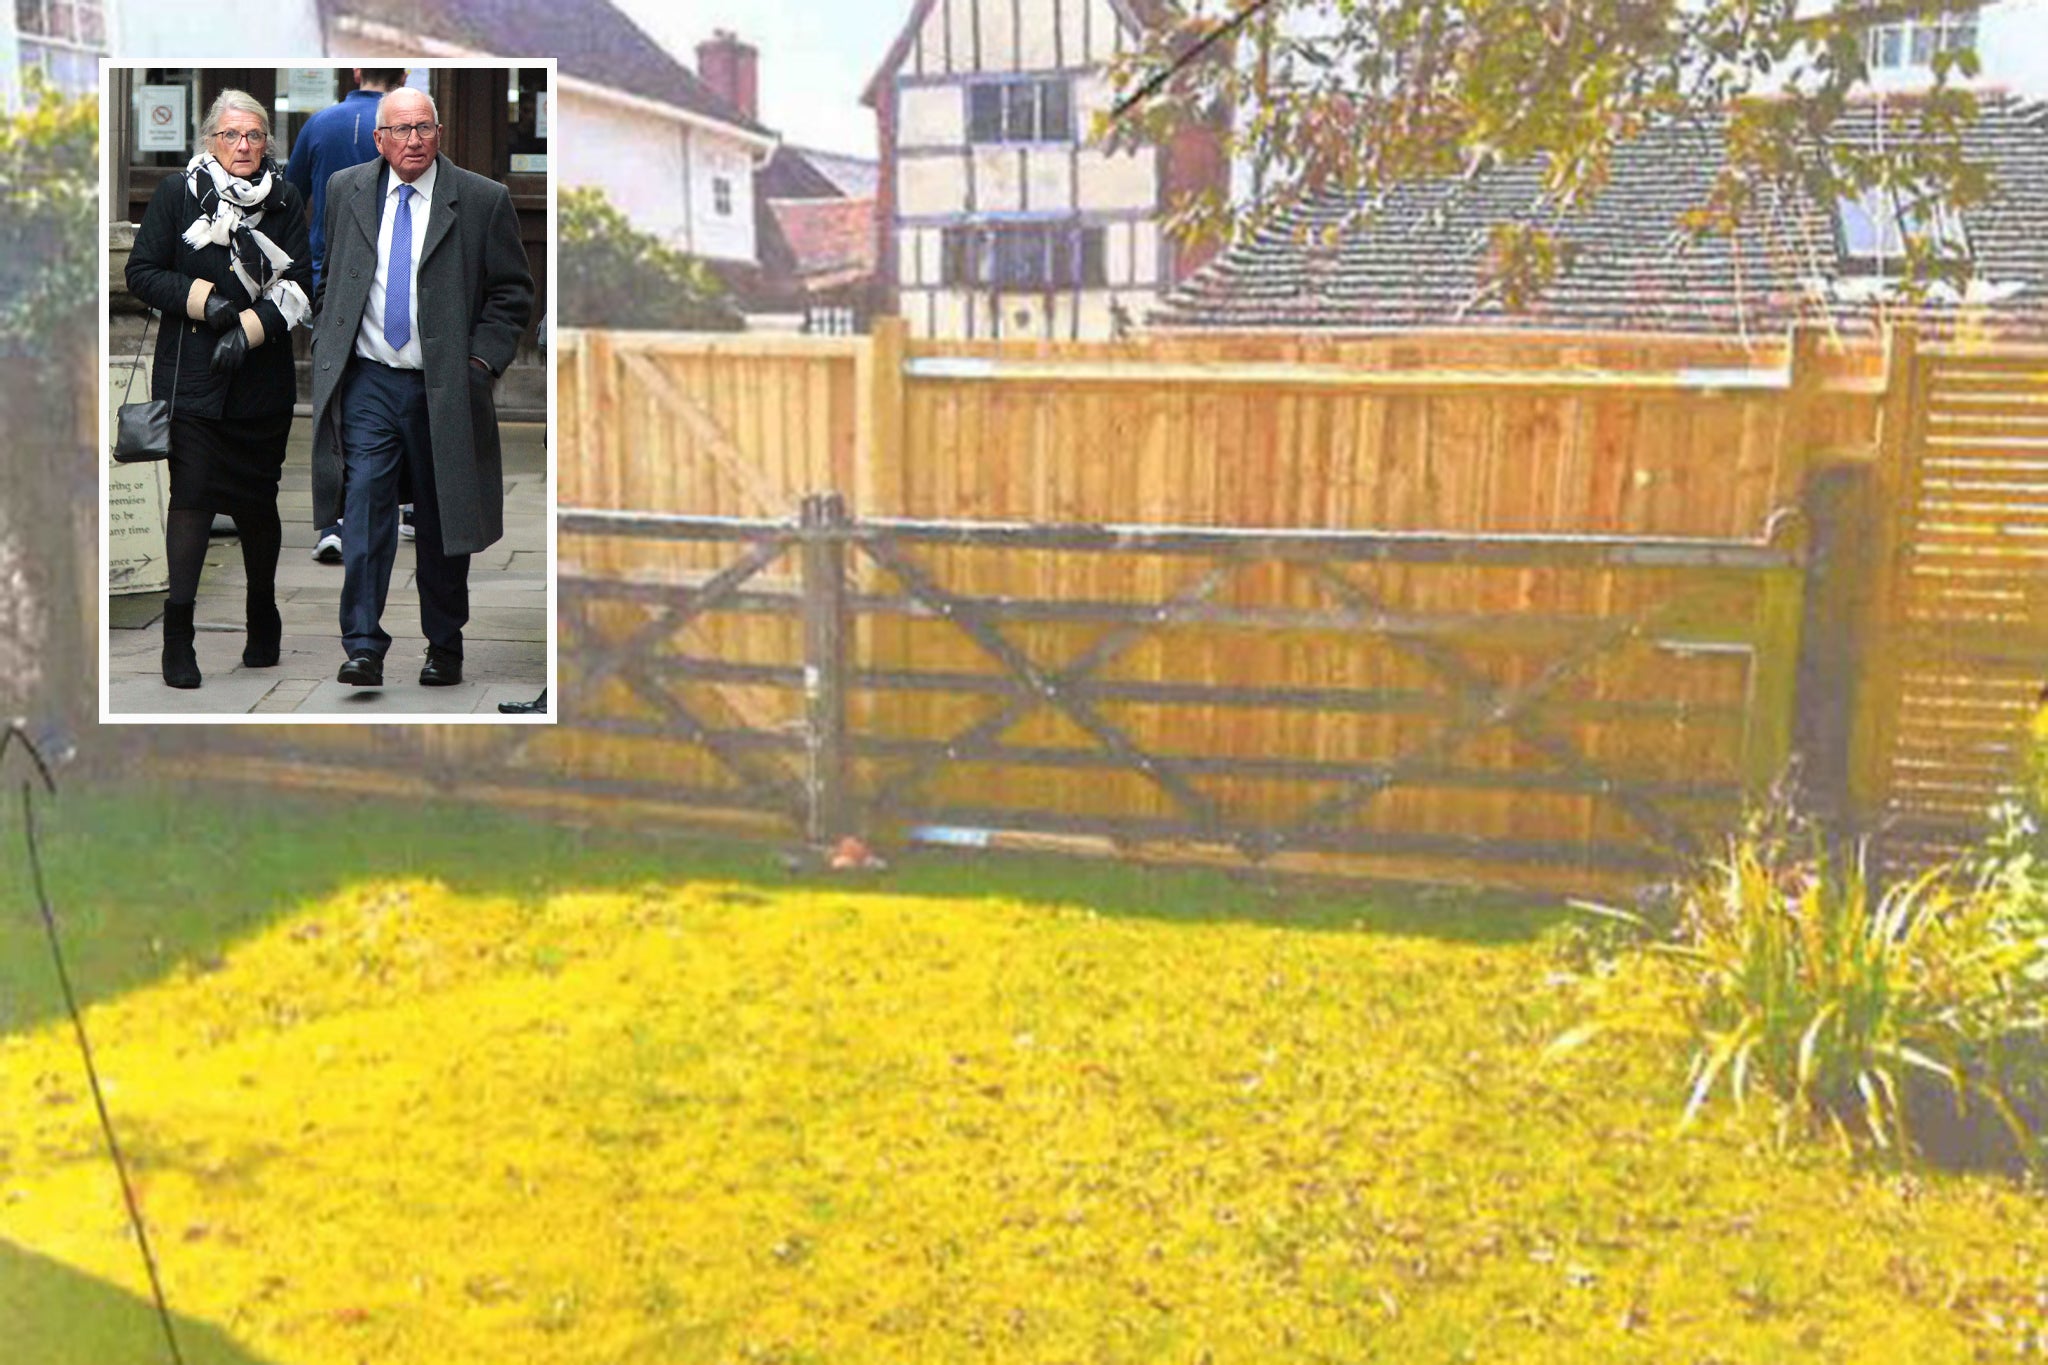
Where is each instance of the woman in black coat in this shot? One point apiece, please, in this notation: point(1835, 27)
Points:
point(222, 250)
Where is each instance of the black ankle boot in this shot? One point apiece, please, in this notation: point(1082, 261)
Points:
point(180, 664)
point(266, 631)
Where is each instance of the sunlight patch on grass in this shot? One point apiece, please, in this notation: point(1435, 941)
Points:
point(712, 1122)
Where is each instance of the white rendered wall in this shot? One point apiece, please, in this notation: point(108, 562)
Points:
point(727, 237)
point(641, 172)
point(207, 28)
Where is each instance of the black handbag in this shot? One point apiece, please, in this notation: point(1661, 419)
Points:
point(142, 431)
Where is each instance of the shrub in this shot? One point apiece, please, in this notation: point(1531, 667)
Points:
point(1913, 1014)
point(613, 275)
point(49, 215)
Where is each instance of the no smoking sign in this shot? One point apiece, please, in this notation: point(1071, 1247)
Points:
point(160, 118)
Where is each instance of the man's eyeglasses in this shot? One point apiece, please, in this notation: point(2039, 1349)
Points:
point(406, 132)
point(227, 139)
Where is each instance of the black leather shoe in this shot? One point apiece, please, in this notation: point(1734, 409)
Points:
point(444, 668)
point(362, 670)
point(537, 707)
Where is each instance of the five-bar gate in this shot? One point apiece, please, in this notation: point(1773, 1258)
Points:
point(1470, 705)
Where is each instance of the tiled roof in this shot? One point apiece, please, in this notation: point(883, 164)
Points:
point(828, 237)
point(590, 39)
point(1417, 262)
point(805, 173)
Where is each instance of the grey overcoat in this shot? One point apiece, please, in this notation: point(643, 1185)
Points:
point(476, 294)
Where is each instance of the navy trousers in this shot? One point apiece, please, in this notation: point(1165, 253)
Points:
point(384, 436)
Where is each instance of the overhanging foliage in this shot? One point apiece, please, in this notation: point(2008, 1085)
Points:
point(1357, 96)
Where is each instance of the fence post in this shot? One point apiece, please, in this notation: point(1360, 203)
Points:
point(1887, 519)
point(878, 444)
point(825, 657)
point(1838, 565)
point(1815, 744)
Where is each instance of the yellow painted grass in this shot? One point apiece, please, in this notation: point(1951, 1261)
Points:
point(713, 1123)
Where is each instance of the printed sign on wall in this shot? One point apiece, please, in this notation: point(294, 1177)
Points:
point(309, 87)
point(160, 119)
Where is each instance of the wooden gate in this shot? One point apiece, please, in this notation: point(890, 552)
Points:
point(1959, 646)
point(1528, 708)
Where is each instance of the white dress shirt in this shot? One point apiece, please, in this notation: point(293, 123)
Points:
point(370, 340)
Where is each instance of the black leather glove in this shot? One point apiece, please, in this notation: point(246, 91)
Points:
point(230, 351)
point(220, 314)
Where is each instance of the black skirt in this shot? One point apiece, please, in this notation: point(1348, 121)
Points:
point(227, 465)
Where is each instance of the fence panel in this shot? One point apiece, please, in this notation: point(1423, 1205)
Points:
point(1272, 681)
point(1963, 645)
point(1479, 434)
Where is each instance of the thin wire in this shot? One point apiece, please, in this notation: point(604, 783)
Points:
point(35, 862)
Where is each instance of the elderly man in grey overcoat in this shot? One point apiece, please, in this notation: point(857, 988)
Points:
point(423, 299)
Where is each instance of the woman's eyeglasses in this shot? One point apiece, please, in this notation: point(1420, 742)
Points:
point(227, 139)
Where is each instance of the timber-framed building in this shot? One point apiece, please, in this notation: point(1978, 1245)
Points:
point(999, 214)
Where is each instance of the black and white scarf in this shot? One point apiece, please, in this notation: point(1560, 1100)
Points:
point(230, 208)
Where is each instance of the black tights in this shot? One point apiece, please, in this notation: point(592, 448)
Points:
point(185, 535)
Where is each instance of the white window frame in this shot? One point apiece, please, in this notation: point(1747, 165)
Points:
point(1912, 44)
point(1876, 225)
point(1048, 102)
point(39, 41)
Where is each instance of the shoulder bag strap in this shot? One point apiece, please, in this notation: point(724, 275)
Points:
point(172, 410)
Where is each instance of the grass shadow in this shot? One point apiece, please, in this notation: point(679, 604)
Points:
point(146, 876)
point(51, 1314)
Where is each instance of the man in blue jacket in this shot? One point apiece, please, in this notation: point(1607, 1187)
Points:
point(335, 138)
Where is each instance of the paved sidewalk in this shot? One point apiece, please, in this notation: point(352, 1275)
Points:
point(504, 645)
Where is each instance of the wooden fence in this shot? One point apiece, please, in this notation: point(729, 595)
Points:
point(1544, 606)
point(1955, 649)
point(1520, 715)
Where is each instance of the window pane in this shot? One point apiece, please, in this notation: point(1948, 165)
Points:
point(1923, 44)
point(1021, 103)
point(1094, 259)
point(985, 113)
point(1860, 235)
point(1055, 112)
point(78, 72)
point(28, 16)
point(92, 24)
point(1010, 265)
point(1890, 41)
point(1962, 33)
point(1021, 258)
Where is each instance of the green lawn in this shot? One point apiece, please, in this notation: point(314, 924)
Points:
point(428, 1085)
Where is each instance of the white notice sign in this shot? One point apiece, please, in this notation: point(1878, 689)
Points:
point(540, 113)
point(160, 119)
point(309, 87)
point(136, 497)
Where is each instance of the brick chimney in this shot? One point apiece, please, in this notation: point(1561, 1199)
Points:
point(730, 68)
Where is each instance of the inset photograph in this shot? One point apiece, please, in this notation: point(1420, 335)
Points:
point(327, 485)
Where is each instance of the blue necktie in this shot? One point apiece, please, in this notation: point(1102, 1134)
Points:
point(398, 281)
